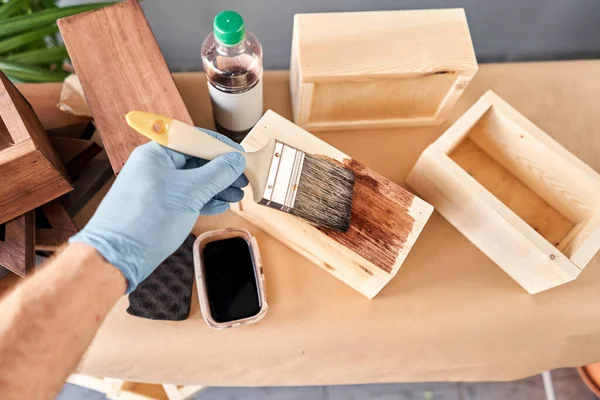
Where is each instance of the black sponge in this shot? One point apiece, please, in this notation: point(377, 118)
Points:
point(166, 294)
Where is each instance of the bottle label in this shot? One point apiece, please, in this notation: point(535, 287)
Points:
point(237, 111)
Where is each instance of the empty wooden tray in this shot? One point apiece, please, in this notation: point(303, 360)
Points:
point(515, 193)
point(378, 68)
point(385, 221)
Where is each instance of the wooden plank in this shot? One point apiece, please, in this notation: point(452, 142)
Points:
point(17, 244)
point(75, 153)
point(121, 69)
point(413, 67)
point(516, 194)
point(31, 171)
point(54, 226)
point(385, 222)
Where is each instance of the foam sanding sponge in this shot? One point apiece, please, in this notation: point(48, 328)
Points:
point(166, 294)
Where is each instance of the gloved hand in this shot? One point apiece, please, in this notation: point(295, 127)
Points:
point(155, 201)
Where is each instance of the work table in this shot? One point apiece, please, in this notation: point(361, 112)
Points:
point(449, 314)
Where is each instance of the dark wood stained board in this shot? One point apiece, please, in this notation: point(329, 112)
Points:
point(121, 68)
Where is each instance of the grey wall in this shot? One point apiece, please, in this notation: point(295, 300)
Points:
point(502, 30)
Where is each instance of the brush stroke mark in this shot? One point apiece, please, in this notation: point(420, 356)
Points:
point(380, 223)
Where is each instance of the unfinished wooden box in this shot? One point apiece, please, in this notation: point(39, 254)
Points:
point(378, 69)
point(515, 193)
point(385, 220)
point(31, 172)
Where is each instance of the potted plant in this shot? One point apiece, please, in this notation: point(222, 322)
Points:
point(30, 49)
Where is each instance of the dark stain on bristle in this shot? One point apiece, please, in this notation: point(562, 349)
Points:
point(379, 221)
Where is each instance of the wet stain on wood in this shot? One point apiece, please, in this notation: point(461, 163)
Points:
point(380, 223)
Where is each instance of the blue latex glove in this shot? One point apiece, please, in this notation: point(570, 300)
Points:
point(154, 203)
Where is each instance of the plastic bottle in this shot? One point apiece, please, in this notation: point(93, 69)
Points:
point(232, 60)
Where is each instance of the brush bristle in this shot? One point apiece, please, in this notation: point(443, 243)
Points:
point(324, 196)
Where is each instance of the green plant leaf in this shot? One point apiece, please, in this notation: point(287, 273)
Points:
point(43, 18)
point(26, 38)
point(30, 73)
point(14, 79)
point(40, 56)
point(12, 8)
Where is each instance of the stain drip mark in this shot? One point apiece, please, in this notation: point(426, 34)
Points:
point(380, 223)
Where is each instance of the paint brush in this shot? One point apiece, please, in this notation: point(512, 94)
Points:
point(282, 177)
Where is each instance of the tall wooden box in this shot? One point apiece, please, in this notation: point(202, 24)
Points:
point(378, 69)
point(30, 171)
point(386, 220)
point(520, 197)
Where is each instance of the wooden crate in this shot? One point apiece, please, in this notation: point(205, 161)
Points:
point(378, 69)
point(520, 197)
point(31, 172)
point(385, 221)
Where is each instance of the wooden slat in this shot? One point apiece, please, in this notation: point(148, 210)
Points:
point(75, 153)
point(17, 244)
point(121, 69)
point(60, 230)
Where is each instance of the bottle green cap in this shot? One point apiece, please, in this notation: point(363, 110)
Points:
point(229, 28)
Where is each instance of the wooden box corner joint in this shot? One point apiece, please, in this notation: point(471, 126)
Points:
point(519, 196)
point(31, 171)
point(379, 69)
point(385, 221)
point(111, 89)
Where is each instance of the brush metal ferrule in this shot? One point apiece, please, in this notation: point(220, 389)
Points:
point(284, 175)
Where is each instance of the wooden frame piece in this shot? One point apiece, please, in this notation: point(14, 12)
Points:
point(405, 68)
point(54, 226)
point(515, 193)
point(91, 179)
point(75, 153)
point(17, 244)
point(31, 171)
point(386, 219)
point(121, 69)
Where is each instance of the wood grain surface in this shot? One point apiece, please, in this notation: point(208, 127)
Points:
point(385, 219)
point(378, 69)
point(515, 193)
point(121, 69)
point(17, 244)
point(32, 173)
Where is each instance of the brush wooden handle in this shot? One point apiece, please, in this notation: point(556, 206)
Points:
point(186, 139)
point(189, 140)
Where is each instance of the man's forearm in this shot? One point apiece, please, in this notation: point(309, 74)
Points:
point(47, 323)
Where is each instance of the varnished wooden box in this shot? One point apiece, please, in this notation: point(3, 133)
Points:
point(515, 193)
point(378, 69)
point(31, 173)
point(385, 220)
